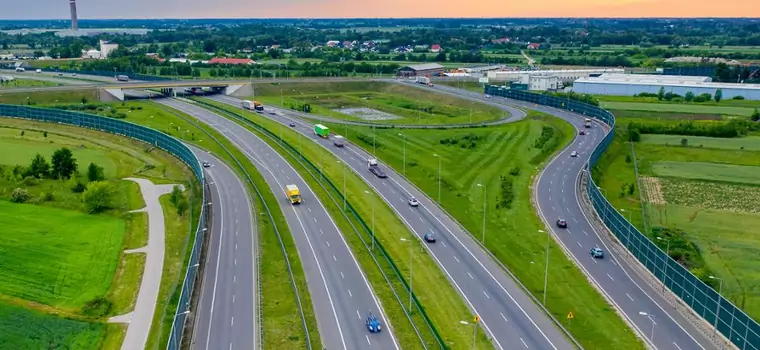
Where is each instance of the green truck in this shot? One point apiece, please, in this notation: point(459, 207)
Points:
point(321, 131)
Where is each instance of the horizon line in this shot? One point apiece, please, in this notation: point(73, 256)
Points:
point(362, 18)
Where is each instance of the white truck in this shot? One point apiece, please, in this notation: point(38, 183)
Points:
point(338, 141)
point(253, 105)
point(122, 77)
point(20, 69)
point(587, 123)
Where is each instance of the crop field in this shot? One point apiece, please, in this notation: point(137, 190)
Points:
point(63, 261)
point(652, 115)
point(26, 329)
point(708, 171)
point(678, 108)
point(635, 99)
point(504, 159)
point(708, 195)
point(749, 143)
point(409, 104)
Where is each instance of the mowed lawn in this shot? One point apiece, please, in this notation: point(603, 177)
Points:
point(23, 150)
point(678, 108)
point(749, 143)
point(57, 257)
point(709, 171)
point(27, 329)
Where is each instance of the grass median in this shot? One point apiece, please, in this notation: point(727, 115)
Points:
point(437, 296)
point(501, 162)
point(282, 326)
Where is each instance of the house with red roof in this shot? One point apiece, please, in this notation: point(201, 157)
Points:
point(435, 48)
point(233, 61)
point(534, 46)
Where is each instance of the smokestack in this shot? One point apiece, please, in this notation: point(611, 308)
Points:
point(73, 9)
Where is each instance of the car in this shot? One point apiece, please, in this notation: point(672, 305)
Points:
point(378, 172)
point(273, 112)
point(561, 223)
point(488, 96)
point(430, 237)
point(206, 164)
point(582, 132)
point(573, 154)
point(373, 324)
point(597, 253)
point(73, 75)
point(413, 202)
point(292, 125)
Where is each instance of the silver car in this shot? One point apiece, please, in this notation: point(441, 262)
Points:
point(573, 154)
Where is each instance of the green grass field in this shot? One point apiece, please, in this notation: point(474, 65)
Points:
point(722, 103)
point(431, 288)
point(63, 261)
point(482, 156)
point(749, 143)
point(678, 108)
point(26, 329)
point(652, 115)
point(708, 171)
point(48, 97)
point(25, 83)
point(401, 101)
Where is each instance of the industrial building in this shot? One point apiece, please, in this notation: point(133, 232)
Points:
point(632, 84)
point(563, 76)
point(420, 70)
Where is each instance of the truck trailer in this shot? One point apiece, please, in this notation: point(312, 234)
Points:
point(587, 123)
point(321, 131)
point(253, 105)
point(338, 141)
point(294, 195)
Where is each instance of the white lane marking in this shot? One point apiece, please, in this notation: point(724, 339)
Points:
point(443, 244)
point(232, 320)
point(234, 279)
point(341, 275)
point(328, 243)
point(216, 273)
point(629, 297)
point(523, 341)
point(608, 275)
point(486, 294)
point(359, 316)
point(504, 317)
point(309, 209)
point(468, 274)
point(235, 246)
point(350, 294)
point(233, 298)
point(579, 244)
point(236, 233)
point(235, 261)
point(315, 219)
point(334, 258)
point(677, 347)
point(455, 258)
point(321, 232)
point(368, 342)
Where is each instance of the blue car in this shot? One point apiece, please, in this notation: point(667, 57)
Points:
point(373, 324)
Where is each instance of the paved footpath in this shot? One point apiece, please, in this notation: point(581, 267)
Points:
point(137, 331)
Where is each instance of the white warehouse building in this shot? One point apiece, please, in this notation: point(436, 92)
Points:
point(632, 84)
point(563, 75)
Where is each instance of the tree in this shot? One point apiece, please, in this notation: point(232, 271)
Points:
point(176, 195)
point(98, 197)
point(718, 95)
point(39, 167)
point(661, 93)
point(755, 115)
point(44, 134)
point(20, 195)
point(440, 57)
point(689, 96)
point(95, 173)
point(64, 164)
point(684, 142)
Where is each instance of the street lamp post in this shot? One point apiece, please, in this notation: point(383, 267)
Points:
point(373, 220)
point(629, 224)
point(344, 185)
point(474, 332)
point(485, 196)
point(546, 268)
point(717, 308)
point(439, 176)
point(411, 274)
point(651, 318)
point(667, 256)
point(404, 161)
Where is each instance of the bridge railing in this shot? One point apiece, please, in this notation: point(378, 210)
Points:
point(732, 322)
point(157, 139)
point(112, 74)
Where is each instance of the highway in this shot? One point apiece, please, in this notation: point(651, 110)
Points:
point(227, 314)
point(509, 316)
point(558, 197)
point(341, 295)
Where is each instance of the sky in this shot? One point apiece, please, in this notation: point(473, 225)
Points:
point(51, 9)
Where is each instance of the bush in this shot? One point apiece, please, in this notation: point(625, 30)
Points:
point(78, 187)
point(514, 171)
point(737, 97)
point(98, 197)
point(47, 197)
point(20, 195)
point(98, 307)
point(95, 173)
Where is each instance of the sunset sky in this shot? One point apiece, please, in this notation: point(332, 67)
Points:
point(383, 8)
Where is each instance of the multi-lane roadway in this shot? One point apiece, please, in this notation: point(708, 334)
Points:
point(341, 295)
point(511, 319)
point(227, 315)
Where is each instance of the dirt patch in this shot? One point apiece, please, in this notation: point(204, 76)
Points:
point(652, 190)
point(367, 113)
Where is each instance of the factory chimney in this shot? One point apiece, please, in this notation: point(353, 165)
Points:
point(73, 9)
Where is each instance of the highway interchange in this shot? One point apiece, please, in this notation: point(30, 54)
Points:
point(480, 280)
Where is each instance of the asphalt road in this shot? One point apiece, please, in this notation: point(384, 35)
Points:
point(508, 315)
point(341, 295)
point(227, 312)
point(557, 197)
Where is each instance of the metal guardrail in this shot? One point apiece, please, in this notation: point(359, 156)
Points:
point(279, 239)
point(365, 229)
point(157, 139)
point(732, 322)
point(131, 75)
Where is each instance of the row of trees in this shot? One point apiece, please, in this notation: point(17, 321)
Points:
point(733, 128)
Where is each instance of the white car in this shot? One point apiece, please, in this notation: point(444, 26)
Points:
point(413, 202)
point(573, 154)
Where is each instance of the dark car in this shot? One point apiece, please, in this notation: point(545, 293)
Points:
point(206, 164)
point(430, 237)
point(597, 253)
point(378, 172)
point(373, 324)
point(561, 223)
point(292, 125)
point(582, 132)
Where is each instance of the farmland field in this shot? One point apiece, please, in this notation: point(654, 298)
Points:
point(619, 113)
point(409, 105)
point(27, 329)
point(677, 108)
point(749, 143)
point(48, 97)
point(708, 171)
point(22, 83)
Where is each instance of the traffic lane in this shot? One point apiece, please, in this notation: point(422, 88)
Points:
point(261, 154)
point(229, 316)
point(357, 162)
point(635, 296)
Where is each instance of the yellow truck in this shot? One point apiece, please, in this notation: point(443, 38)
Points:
point(294, 195)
